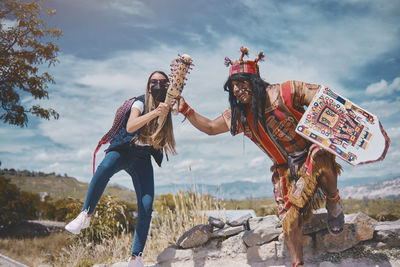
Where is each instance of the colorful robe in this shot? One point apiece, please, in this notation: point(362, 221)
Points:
point(284, 108)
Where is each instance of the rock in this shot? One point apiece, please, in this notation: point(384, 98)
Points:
point(388, 226)
point(172, 254)
point(327, 264)
point(282, 251)
point(228, 215)
point(359, 227)
point(99, 265)
point(215, 222)
point(263, 252)
point(262, 230)
point(365, 226)
point(242, 220)
point(233, 245)
point(260, 235)
point(208, 250)
point(388, 232)
point(381, 245)
point(195, 237)
point(267, 221)
point(317, 223)
point(227, 231)
point(309, 249)
point(337, 243)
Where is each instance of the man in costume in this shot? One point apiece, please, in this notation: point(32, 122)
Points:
point(304, 175)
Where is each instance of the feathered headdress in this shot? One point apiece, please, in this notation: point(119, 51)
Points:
point(246, 66)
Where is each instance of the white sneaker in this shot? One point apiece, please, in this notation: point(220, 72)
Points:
point(82, 221)
point(137, 262)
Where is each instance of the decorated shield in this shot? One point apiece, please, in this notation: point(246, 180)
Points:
point(343, 128)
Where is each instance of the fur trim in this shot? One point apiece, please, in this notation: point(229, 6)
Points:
point(305, 195)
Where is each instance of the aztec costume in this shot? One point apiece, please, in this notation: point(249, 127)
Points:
point(297, 162)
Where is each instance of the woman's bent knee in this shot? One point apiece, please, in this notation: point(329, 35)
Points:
point(147, 205)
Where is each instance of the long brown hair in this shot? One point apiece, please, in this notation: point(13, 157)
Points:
point(165, 139)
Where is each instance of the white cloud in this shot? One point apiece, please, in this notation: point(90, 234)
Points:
point(131, 7)
point(308, 48)
point(7, 23)
point(382, 88)
point(394, 133)
point(382, 108)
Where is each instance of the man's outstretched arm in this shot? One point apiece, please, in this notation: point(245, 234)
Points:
point(210, 127)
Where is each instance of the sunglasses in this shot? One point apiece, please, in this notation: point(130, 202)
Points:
point(161, 81)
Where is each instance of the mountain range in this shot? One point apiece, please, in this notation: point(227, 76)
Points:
point(58, 186)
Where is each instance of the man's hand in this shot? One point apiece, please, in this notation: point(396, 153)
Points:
point(181, 102)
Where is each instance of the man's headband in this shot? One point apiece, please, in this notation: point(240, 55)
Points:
point(244, 66)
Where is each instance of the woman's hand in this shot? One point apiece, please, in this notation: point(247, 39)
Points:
point(161, 110)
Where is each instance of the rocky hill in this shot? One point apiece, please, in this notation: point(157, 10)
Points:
point(353, 188)
point(385, 189)
point(58, 187)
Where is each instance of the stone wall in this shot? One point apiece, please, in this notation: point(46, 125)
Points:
point(259, 240)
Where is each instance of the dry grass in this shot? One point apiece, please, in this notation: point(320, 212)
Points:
point(34, 251)
point(174, 214)
point(82, 253)
point(169, 223)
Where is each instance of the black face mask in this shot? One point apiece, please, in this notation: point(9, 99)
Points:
point(158, 91)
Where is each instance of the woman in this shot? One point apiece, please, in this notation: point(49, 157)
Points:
point(130, 149)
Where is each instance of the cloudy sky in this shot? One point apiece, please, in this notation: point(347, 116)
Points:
point(108, 49)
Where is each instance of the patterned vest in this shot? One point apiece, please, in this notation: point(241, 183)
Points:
point(118, 137)
point(280, 137)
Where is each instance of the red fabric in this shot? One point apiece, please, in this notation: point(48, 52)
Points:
point(264, 141)
point(286, 90)
point(246, 66)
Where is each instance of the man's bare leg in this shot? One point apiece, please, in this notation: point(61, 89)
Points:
point(294, 242)
point(328, 182)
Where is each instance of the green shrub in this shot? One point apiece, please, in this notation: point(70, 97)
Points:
point(110, 218)
point(15, 205)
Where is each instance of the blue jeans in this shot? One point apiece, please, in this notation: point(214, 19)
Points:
point(139, 167)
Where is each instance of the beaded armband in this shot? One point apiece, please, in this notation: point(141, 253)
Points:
point(186, 110)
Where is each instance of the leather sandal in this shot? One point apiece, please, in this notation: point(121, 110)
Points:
point(335, 216)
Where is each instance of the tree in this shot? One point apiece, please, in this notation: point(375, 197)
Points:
point(15, 205)
point(25, 47)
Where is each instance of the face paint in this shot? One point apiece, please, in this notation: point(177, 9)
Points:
point(242, 91)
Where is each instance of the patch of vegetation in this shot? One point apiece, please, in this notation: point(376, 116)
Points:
point(15, 205)
point(379, 209)
point(262, 207)
point(360, 252)
point(110, 219)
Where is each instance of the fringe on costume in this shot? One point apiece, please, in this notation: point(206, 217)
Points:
point(304, 194)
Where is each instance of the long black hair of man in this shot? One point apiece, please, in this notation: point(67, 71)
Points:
point(258, 100)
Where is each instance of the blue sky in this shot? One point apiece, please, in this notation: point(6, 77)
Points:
point(108, 49)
